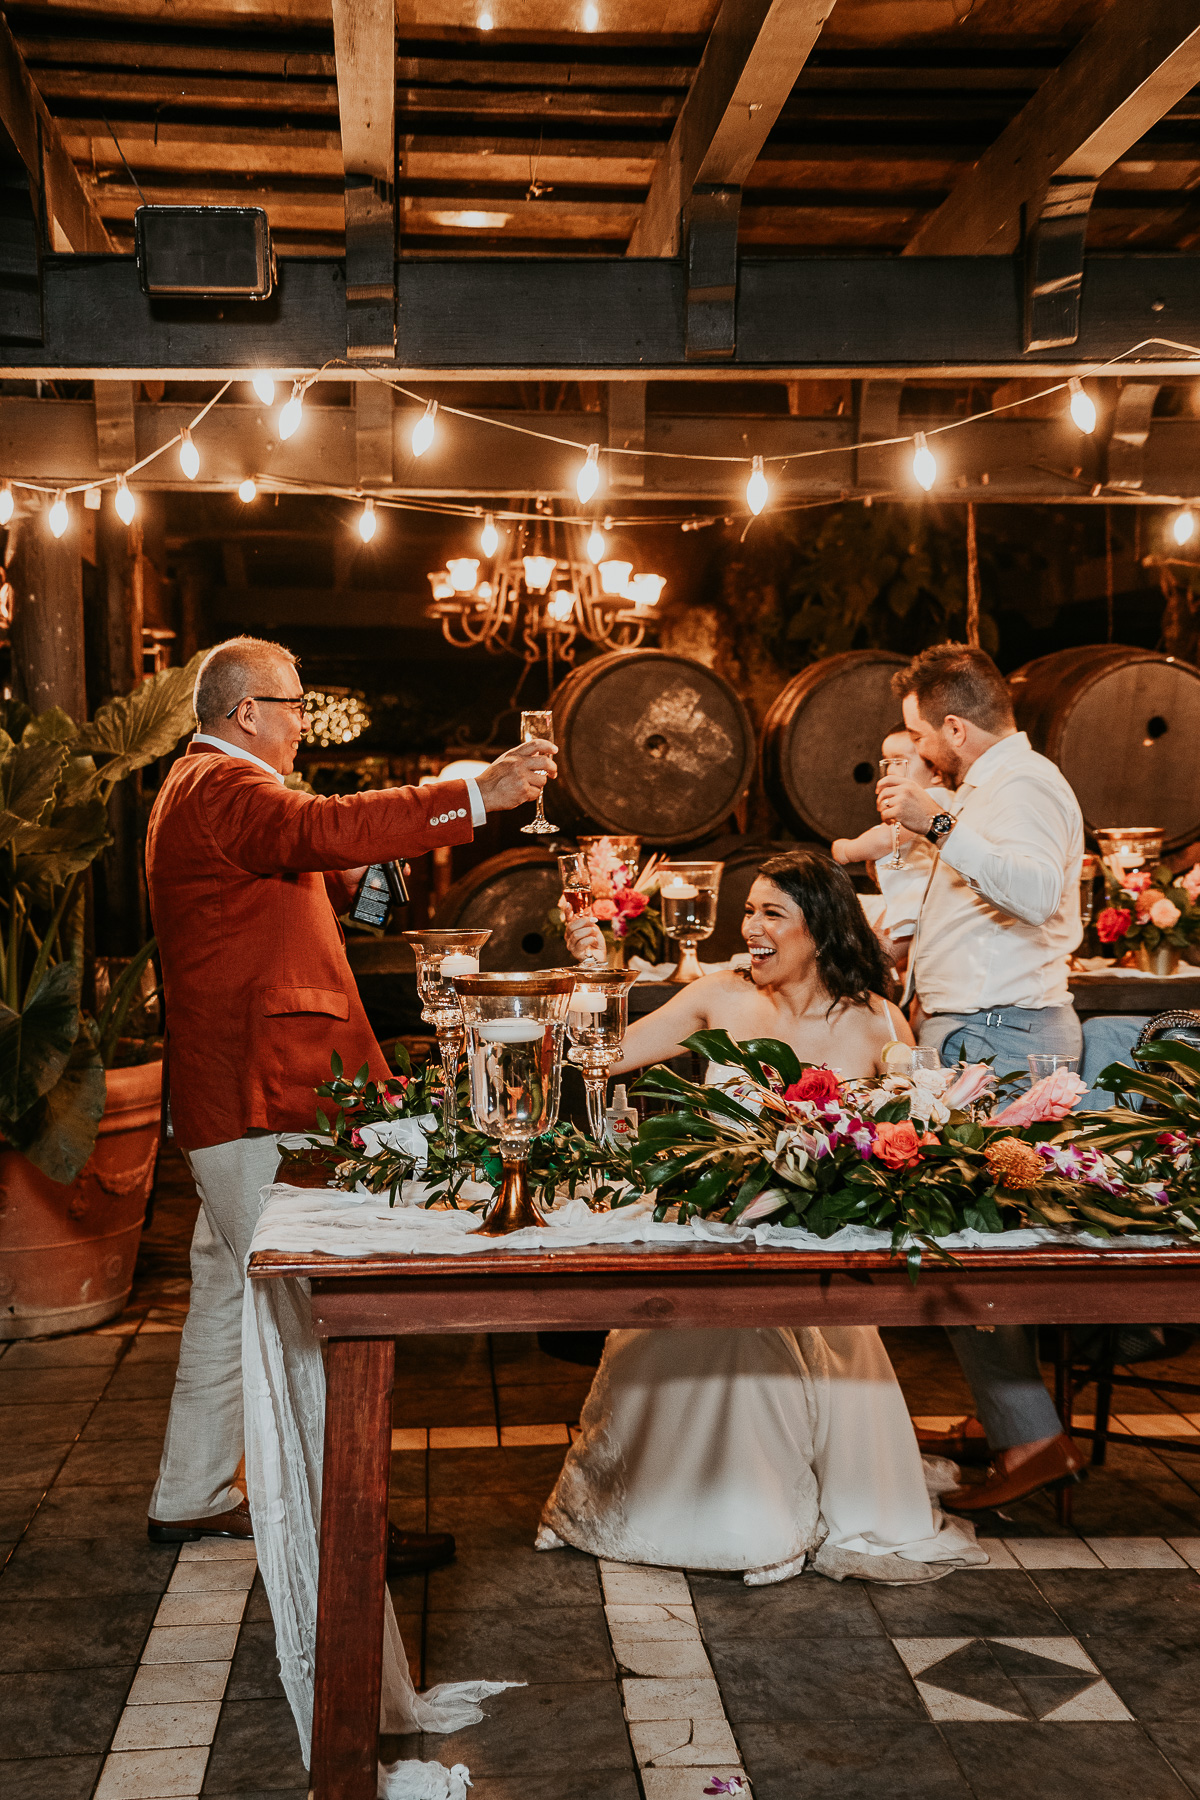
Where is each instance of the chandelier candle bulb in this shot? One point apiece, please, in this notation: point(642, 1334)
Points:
point(264, 387)
point(247, 490)
point(560, 607)
point(59, 517)
point(6, 503)
point(422, 435)
point(290, 411)
point(924, 466)
point(1083, 409)
point(595, 545)
point(539, 572)
point(588, 479)
point(459, 962)
point(511, 1031)
point(367, 522)
point(1183, 527)
point(489, 537)
point(756, 488)
point(614, 576)
point(189, 456)
point(463, 572)
point(124, 502)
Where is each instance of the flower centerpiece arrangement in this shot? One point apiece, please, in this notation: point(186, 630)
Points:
point(922, 1155)
point(624, 904)
point(1149, 912)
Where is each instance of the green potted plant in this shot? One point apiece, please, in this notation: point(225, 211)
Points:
point(79, 1133)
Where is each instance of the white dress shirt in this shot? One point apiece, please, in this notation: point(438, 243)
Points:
point(478, 810)
point(903, 888)
point(1001, 915)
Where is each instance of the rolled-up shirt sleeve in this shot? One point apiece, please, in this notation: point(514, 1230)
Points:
point(1019, 862)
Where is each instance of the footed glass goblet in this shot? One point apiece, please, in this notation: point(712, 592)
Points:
point(440, 956)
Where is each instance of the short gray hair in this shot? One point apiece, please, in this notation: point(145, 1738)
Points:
point(232, 671)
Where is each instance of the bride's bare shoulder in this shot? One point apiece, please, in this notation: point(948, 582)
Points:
point(722, 992)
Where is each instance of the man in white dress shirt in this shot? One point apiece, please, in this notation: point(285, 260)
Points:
point(988, 969)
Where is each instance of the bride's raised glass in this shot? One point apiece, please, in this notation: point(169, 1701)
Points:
point(597, 1020)
point(441, 955)
point(687, 894)
point(514, 1023)
point(538, 725)
point(577, 895)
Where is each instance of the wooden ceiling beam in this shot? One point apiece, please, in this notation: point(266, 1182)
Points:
point(36, 139)
point(751, 62)
point(364, 40)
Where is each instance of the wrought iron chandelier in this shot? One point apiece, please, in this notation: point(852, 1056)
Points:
point(549, 586)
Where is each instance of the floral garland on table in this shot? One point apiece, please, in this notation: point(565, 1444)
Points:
point(625, 907)
point(921, 1155)
point(1150, 909)
point(383, 1134)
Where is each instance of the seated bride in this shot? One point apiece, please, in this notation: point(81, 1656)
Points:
point(761, 1450)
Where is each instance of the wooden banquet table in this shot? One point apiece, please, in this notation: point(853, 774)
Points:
point(360, 1306)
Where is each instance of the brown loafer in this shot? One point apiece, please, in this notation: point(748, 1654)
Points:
point(965, 1442)
point(1057, 1462)
point(234, 1524)
point(416, 1552)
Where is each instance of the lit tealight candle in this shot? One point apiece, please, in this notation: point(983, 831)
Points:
point(511, 1031)
point(587, 1000)
point(458, 962)
point(678, 890)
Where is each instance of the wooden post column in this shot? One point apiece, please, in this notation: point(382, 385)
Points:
point(47, 632)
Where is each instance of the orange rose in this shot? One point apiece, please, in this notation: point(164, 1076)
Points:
point(898, 1146)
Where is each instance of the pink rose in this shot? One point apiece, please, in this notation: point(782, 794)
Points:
point(632, 902)
point(1146, 900)
point(1136, 881)
point(604, 909)
point(1113, 923)
point(1053, 1097)
point(356, 1138)
point(1164, 914)
point(1190, 883)
point(898, 1146)
point(975, 1080)
point(817, 1085)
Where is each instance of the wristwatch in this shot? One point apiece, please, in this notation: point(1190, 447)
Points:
point(941, 827)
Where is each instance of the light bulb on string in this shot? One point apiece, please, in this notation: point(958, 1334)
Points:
point(591, 16)
point(1183, 526)
point(367, 522)
point(247, 490)
point(290, 411)
point(422, 435)
point(924, 464)
point(588, 478)
point(489, 537)
point(595, 544)
point(59, 517)
point(189, 456)
point(1083, 409)
point(756, 488)
point(264, 387)
point(6, 503)
point(484, 22)
point(124, 502)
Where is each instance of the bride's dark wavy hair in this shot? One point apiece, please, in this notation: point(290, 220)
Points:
point(850, 958)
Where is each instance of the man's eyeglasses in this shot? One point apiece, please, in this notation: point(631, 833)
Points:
point(300, 702)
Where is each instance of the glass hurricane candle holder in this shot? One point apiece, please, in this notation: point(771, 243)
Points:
point(687, 893)
point(1130, 846)
point(514, 1026)
point(597, 1020)
point(441, 955)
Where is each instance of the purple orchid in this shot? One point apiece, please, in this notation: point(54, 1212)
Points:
point(735, 1785)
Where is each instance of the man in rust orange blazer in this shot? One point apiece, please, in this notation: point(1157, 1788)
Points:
point(258, 991)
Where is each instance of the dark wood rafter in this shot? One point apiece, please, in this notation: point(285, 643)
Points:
point(71, 220)
point(364, 34)
point(1039, 178)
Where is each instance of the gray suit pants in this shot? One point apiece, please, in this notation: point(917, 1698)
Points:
point(1000, 1362)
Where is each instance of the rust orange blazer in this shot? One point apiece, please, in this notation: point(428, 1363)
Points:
point(257, 987)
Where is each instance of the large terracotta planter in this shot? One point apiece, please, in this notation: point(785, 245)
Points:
point(67, 1251)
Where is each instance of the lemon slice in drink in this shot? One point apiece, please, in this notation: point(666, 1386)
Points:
point(897, 1059)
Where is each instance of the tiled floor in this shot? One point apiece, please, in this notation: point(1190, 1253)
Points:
point(1069, 1669)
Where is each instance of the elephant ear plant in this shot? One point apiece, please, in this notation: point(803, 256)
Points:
point(55, 782)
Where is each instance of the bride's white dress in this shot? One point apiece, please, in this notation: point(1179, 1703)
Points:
point(755, 1450)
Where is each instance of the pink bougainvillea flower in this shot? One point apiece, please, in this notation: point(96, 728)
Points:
point(1051, 1098)
point(1164, 914)
point(975, 1080)
point(1113, 923)
point(1190, 883)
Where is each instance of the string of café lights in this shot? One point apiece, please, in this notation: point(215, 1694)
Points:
point(589, 474)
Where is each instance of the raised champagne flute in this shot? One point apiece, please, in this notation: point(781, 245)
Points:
point(898, 766)
point(577, 894)
point(538, 725)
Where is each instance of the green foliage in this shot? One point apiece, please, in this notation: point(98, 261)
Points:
point(136, 728)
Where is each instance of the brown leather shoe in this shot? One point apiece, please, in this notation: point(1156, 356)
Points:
point(964, 1442)
point(416, 1552)
point(1057, 1462)
point(234, 1524)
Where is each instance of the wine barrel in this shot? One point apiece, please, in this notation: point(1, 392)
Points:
point(1123, 725)
point(821, 739)
point(649, 742)
point(512, 893)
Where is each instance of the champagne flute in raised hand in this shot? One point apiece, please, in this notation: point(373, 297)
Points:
point(898, 766)
point(577, 894)
point(538, 725)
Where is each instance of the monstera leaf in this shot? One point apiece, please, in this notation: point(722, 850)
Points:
point(58, 1134)
point(36, 1042)
point(135, 729)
